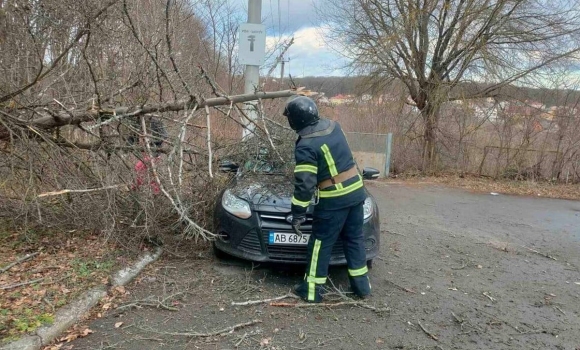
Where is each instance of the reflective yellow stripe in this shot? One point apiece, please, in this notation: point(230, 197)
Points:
point(317, 280)
point(358, 272)
point(342, 191)
point(300, 203)
point(307, 168)
point(313, 267)
point(329, 160)
point(311, 291)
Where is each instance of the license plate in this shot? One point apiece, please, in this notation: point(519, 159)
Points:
point(288, 238)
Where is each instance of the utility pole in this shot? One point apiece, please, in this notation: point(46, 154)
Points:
point(252, 72)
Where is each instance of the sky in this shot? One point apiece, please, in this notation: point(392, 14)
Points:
point(309, 55)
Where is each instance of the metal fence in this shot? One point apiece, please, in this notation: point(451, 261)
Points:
point(371, 150)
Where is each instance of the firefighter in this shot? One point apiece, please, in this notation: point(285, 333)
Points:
point(326, 171)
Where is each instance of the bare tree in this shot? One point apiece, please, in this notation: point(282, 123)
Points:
point(110, 110)
point(436, 46)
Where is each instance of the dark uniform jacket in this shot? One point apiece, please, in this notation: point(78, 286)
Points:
point(322, 152)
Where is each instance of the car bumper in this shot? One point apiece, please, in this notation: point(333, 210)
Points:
point(248, 239)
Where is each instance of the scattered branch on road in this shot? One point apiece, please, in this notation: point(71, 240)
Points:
point(159, 303)
point(462, 322)
point(540, 253)
point(264, 301)
point(18, 261)
point(330, 305)
point(427, 332)
point(401, 287)
point(227, 330)
point(489, 296)
point(393, 233)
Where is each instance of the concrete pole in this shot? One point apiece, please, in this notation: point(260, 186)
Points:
point(252, 73)
point(388, 154)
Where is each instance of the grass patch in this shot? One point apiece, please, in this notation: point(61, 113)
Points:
point(65, 264)
point(485, 185)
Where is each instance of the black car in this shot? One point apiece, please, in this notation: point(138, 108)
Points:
point(252, 218)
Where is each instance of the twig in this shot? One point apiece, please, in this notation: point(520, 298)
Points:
point(538, 331)
point(427, 332)
point(18, 261)
point(542, 254)
point(489, 296)
point(209, 141)
point(262, 112)
point(557, 308)
point(459, 320)
point(329, 305)
point(401, 287)
point(241, 340)
point(141, 303)
point(263, 301)
point(56, 193)
point(44, 268)
point(394, 233)
point(21, 284)
point(230, 329)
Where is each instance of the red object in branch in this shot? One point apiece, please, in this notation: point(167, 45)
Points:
point(141, 174)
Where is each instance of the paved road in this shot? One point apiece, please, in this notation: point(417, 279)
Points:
point(458, 270)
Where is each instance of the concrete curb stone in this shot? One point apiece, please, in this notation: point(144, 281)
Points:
point(72, 313)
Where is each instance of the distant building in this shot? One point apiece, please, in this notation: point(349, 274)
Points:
point(342, 99)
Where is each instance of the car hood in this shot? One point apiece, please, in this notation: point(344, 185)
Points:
point(265, 192)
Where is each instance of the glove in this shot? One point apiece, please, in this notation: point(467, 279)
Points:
point(296, 222)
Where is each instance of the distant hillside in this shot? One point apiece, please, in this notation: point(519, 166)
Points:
point(332, 86)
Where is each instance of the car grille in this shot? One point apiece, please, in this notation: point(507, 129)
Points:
point(251, 243)
point(297, 252)
point(272, 221)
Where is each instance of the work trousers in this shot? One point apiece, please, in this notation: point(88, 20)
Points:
point(327, 226)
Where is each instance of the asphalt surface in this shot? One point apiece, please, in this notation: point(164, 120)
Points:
point(457, 270)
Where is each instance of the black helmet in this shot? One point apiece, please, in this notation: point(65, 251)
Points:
point(301, 111)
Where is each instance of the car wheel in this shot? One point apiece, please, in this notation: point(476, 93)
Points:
point(370, 264)
point(218, 253)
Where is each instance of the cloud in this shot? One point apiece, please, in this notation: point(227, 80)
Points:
point(284, 16)
point(309, 55)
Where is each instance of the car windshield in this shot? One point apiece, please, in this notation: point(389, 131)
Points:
point(267, 167)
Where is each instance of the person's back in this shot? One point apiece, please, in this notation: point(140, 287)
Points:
point(325, 167)
point(327, 142)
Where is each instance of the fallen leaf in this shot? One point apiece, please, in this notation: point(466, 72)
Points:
point(118, 324)
point(106, 306)
point(120, 289)
point(86, 332)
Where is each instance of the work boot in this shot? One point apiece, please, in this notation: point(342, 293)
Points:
point(361, 286)
point(302, 291)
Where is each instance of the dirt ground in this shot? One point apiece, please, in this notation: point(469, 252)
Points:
point(458, 270)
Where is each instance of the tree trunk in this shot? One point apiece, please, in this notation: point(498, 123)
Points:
point(431, 118)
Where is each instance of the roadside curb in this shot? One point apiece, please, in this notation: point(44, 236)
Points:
point(72, 313)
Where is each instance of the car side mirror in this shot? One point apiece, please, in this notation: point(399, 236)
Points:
point(369, 173)
point(228, 167)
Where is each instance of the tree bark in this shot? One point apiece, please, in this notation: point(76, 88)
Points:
point(56, 119)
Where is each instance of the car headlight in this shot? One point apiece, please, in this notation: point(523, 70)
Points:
point(236, 206)
point(368, 208)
